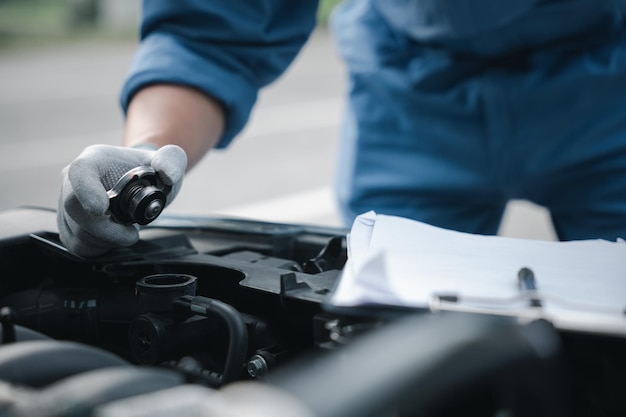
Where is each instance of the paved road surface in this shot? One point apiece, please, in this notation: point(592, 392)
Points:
point(56, 101)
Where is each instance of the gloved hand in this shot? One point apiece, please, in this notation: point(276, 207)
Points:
point(85, 228)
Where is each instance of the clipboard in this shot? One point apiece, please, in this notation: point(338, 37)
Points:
point(396, 264)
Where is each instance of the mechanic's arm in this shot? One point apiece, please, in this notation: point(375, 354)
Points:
point(192, 83)
point(163, 114)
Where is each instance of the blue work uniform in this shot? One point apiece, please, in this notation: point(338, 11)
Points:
point(455, 106)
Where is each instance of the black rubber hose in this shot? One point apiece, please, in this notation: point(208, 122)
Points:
point(38, 363)
point(237, 332)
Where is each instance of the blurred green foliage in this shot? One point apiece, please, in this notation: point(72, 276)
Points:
point(41, 21)
point(325, 9)
point(34, 22)
point(33, 17)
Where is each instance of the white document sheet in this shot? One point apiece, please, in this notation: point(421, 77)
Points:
point(401, 262)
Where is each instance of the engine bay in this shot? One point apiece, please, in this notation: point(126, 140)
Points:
point(203, 303)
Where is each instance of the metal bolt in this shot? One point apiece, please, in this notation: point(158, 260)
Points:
point(257, 366)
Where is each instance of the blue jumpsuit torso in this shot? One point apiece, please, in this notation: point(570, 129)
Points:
point(455, 106)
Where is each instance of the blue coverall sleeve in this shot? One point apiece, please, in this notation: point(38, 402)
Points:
point(228, 49)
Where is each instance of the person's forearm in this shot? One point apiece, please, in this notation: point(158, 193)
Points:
point(170, 114)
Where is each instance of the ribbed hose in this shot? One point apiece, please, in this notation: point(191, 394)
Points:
point(37, 363)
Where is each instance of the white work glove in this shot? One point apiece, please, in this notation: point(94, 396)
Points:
point(85, 227)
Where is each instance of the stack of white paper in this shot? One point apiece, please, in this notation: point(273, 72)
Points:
point(396, 261)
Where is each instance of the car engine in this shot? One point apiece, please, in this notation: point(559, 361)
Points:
point(215, 316)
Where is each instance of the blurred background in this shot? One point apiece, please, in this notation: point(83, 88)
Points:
point(62, 64)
